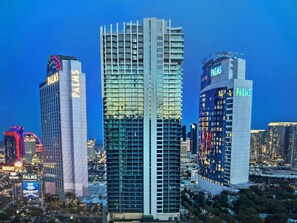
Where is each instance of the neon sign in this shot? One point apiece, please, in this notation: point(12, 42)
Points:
point(216, 71)
point(75, 83)
point(30, 177)
point(54, 63)
point(53, 79)
point(243, 92)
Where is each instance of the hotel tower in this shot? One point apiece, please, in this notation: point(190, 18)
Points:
point(141, 71)
point(224, 123)
point(64, 131)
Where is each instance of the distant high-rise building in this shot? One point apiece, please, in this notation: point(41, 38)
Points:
point(183, 150)
point(184, 133)
point(282, 142)
point(193, 130)
point(91, 147)
point(29, 147)
point(258, 146)
point(13, 143)
point(64, 131)
point(2, 152)
point(189, 135)
point(224, 122)
point(32, 146)
point(186, 148)
point(142, 91)
point(2, 147)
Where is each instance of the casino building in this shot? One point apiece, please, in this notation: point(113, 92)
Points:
point(224, 123)
point(64, 128)
point(14, 145)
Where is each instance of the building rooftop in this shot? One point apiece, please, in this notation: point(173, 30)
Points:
point(219, 55)
point(282, 123)
point(62, 57)
point(257, 130)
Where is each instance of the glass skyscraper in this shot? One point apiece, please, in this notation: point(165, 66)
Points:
point(64, 128)
point(141, 68)
point(282, 142)
point(258, 146)
point(224, 123)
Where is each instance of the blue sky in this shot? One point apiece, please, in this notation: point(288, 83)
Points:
point(264, 31)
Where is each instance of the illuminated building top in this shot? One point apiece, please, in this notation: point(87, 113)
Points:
point(55, 63)
point(215, 57)
point(33, 134)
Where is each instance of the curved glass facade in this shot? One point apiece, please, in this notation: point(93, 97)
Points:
point(224, 123)
point(215, 134)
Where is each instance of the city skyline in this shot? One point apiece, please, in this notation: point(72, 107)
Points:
point(263, 32)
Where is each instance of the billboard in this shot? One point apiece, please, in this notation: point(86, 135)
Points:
point(8, 169)
point(30, 189)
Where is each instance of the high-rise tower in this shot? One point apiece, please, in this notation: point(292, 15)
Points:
point(64, 132)
point(258, 146)
point(224, 122)
point(282, 142)
point(14, 145)
point(142, 91)
point(193, 131)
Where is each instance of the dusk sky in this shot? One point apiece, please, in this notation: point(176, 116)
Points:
point(264, 31)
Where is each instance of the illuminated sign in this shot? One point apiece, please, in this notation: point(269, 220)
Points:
point(8, 168)
point(30, 189)
point(53, 79)
point(54, 64)
point(216, 71)
point(30, 177)
point(75, 82)
point(18, 164)
point(243, 92)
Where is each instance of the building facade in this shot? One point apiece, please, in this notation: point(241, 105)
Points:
point(64, 131)
point(2, 152)
point(142, 89)
point(14, 145)
point(30, 147)
point(224, 123)
point(258, 152)
point(184, 133)
point(282, 142)
point(194, 136)
point(91, 148)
